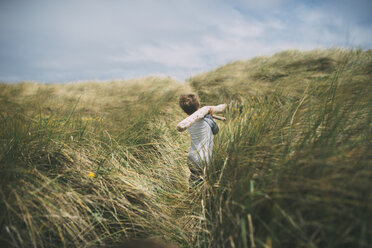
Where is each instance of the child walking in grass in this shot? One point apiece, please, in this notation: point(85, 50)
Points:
point(201, 134)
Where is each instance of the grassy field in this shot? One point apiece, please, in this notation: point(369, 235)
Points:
point(89, 164)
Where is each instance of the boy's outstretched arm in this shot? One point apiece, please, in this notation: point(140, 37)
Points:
point(221, 118)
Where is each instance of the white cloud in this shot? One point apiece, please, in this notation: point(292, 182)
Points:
point(242, 29)
point(170, 55)
point(45, 40)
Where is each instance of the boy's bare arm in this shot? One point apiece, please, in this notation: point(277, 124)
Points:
point(221, 118)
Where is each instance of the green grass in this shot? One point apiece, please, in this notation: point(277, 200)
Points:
point(51, 141)
point(292, 163)
point(296, 158)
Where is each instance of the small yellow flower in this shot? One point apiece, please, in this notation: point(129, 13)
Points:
point(91, 174)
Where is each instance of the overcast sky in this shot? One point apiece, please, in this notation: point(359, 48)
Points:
point(61, 41)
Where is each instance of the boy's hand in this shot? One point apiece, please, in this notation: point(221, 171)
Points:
point(210, 111)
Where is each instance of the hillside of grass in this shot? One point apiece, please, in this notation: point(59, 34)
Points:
point(292, 165)
point(91, 164)
point(288, 73)
point(86, 164)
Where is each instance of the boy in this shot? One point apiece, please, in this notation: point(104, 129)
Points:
point(201, 134)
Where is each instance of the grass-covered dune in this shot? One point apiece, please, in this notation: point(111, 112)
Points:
point(88, 164)
point(293, 160)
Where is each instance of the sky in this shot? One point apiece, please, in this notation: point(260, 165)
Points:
point(52, 41)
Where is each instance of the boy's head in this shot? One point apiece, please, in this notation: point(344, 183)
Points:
point(189, 103)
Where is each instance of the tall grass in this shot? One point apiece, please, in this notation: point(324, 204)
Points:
point(72, 175)
point(294, 170)
point(89, 164)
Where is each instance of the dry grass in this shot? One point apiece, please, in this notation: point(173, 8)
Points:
point(295, 153)
point(88, 164)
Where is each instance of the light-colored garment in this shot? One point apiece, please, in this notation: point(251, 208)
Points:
point(201, 147)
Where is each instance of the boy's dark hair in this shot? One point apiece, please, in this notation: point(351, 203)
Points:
point(189, 103)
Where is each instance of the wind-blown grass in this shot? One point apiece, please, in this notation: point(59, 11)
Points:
point(295, 167)
point(72, 179)
point(88, 164)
